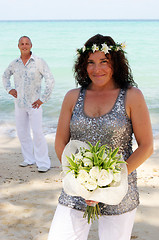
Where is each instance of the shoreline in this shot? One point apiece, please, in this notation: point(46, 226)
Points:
point(29, 198)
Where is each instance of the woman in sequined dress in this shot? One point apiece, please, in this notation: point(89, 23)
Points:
point(108, 106)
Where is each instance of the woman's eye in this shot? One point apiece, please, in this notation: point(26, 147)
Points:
point(104, 61)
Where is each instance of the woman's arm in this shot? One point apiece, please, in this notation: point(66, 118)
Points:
point(63, 128)
point(138, 112)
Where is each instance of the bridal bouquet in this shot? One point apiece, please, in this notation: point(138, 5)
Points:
point(95, 173)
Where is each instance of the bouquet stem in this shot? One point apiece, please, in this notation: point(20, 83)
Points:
point(92, 212)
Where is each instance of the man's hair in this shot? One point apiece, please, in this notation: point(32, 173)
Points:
point(24, 37)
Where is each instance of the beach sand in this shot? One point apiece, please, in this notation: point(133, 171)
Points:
point(28, 198)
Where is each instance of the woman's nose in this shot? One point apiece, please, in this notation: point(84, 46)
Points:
point(96, 67)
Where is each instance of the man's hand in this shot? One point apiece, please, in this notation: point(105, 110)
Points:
point(37, 103)
point(13, 92)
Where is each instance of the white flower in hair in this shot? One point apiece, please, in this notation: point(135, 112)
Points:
point(95, 48)
point(84, 48)
point(123, 46)
point(118, 48)
point(77, 52)
point(105, 48)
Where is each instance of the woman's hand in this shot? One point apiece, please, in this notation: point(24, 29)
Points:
point(91, 202)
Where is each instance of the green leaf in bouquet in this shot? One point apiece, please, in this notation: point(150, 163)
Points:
point(108, 162)
point(73, 166)
point(121, 162)
point(101, 152)
point(71, 162)
point(93, 149)
point(111, 163)
point(97, 146)
point(118, 168)
point(104, 165)
point(89, 158)
point(109, 152)
point(100, 161)
point(87, 169)
point(113, 154)
point(91, 146)
point(95, 159)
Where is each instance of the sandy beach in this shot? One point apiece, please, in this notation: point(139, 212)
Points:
point(28, 198)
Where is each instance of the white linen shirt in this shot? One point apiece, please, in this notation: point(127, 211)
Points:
point(28, 79)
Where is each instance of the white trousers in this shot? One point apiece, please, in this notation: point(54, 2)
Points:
point(34, 150)
point(69, 224)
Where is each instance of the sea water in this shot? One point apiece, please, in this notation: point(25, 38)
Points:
point(56, 42)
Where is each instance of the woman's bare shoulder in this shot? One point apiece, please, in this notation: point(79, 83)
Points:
point(134, 94)
point(72, 94)
point(71, 97)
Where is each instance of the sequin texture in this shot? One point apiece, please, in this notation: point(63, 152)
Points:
point(115, 130)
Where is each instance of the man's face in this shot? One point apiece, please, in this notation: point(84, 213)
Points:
point(25, 46)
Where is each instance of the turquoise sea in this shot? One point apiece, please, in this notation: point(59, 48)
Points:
point(56, 42)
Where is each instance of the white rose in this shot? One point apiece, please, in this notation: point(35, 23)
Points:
point(105, 178)
point(91, 184)
point(94, 172)
point(82, 176)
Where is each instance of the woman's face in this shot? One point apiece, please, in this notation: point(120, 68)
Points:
point(99, 69)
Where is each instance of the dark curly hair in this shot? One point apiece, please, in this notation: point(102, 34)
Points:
point(122, 74)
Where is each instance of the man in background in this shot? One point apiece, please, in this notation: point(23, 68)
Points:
point(28, 71)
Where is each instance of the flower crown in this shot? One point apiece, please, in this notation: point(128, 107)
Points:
point(103, 48)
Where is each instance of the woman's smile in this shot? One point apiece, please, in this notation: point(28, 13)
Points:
point(99, 69)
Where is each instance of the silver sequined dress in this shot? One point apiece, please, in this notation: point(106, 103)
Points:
point(113, 129)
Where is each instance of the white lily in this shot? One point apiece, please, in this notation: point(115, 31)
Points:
point(123, 46)
point(84, 48)
point(105, 48)
point(95, 48)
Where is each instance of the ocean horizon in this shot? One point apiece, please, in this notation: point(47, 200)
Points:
point(56, 42)
point(78, 20)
